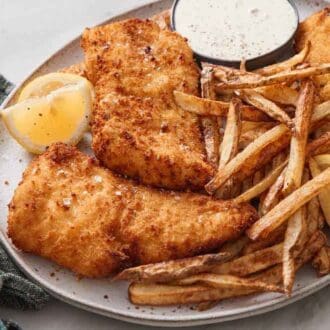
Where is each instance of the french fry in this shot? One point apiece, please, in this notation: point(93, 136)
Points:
point(286, 65)
point(275, 237)
point(172, 270)
point(274, 194)
point(262, 186)
point(274, 274)
point(313, 212)
point(252, 157)
point(242, 65)
point(324, 196)
point(320, 115)
point(164, 295)
point(321, 261)
point(209, 123)
point(265, 105)
point(252, 81)
point(224, 73)
point(251, 263)
point(294, 172)
point(323, 161)
point(314, 244)
point(228, 281)
point(234, 248)
point(279, 93)
point(288, 206)
point(296, 233)
point(211, 139)
point(210, 107)
point(253, 125)
point(200, 106)
point(251, 135)
point(229, 146)
point(294, 241)
point(319, 145)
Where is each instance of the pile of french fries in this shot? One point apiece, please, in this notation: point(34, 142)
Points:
point(268, 136)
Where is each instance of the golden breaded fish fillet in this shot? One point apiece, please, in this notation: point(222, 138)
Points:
point(138, 130)
point(80, 215)
point(316, 30)
point(162, 19)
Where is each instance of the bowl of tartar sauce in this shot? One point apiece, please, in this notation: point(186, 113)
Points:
point(229, 31)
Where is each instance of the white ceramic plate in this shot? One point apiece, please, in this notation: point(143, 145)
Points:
point(101, 296)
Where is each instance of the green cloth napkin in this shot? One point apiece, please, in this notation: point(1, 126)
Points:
point(15, 290)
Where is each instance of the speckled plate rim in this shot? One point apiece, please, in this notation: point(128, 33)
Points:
point(134, 317)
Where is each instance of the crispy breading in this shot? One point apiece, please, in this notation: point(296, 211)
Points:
point(78, 69)
point(80, 215)
point(162, 19)
point(316, 29)
point(138, 130)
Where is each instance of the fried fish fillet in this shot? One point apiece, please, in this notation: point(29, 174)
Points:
point(316, 30)
point(80, 215)
point(163, 21)
point(138, 130)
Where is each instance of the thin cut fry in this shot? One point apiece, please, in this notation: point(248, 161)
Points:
point(242, 65)
point(314, 244)
point(296, 233)
point(229, 146)
point(265, 105)
point(234, 248)
point(294, 172)
point(287, 207)
point(313, 212)
point(274, 274)
point(319, 145)
point(252, 125)
point(251, 263)
point(279, 93)
point(210, 124)
point(274, 194)
point(294, 241)
point(262, 185)
point(228, 281)
point(275, 237)
point(324, 196)
point(321, 261)
point(321, 114)
point(286, 65)
point(251, 81)
point(323, 161)
point(247, 159)
point(251, 135)
point(210, 107)
point(162, 295)
point(172, 270)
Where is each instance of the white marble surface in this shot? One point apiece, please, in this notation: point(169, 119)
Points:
point(30, 30)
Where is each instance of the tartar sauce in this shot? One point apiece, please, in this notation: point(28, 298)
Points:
point(234, 29)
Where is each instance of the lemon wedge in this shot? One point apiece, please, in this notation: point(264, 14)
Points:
point(43, 85)
point(60, 115)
